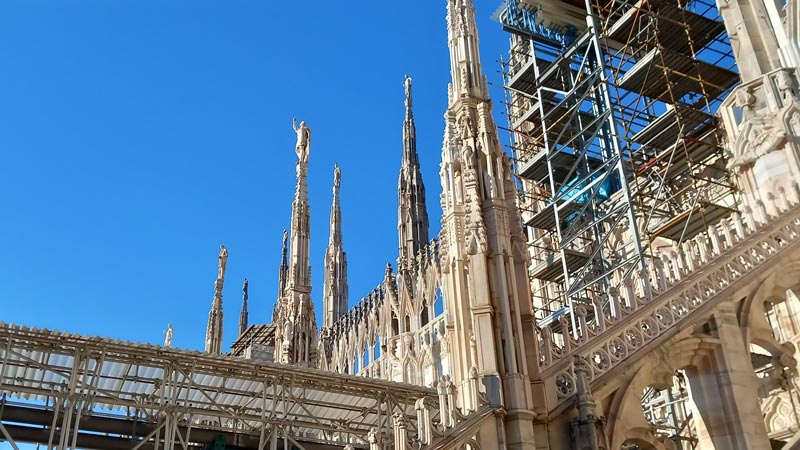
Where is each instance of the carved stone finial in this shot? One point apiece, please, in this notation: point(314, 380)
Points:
point(745, 99)
point(400, 420)
point(581, 365)
point(372, 436)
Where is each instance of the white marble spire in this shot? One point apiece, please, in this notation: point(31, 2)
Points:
point(412, 214)
point(483, 252)
point(283, 274)
point(465, 62)
point(334, 289)
point(214, 327)
point(296, 323)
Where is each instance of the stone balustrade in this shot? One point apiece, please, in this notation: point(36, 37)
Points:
point(650, 304)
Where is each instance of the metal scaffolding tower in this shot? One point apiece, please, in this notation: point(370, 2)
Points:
point(611, 107)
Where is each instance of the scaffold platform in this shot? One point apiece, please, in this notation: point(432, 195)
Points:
point(66, 390)
point(683, 30)
point(670, 76)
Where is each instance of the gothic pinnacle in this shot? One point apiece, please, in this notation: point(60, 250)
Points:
point(334, 288)
point(465, 63)
point(412, 211)
point(283, 272)
point(214, 327)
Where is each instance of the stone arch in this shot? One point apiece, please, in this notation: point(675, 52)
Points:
point(625, 416)
point(752, 313)
point(772, 286)
point(395, 325)
point(410, 372)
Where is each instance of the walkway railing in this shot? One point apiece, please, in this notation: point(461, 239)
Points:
point(671, 291)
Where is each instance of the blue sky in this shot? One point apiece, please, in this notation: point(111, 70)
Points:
point(138, 135)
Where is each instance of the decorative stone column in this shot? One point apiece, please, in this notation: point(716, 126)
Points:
point(588, 429)
point(423, 421)
point(400, 432)
point(725, 389)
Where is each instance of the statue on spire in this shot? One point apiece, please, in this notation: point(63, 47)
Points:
point(168, 336)
point(303, 139)
point(223, 262)
point(407, 86)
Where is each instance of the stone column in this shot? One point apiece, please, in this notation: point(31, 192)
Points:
point(724, 387)
point(400, 432)
point(423, 421)
point(753, 39)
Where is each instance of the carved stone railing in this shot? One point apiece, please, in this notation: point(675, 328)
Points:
point(654, 302)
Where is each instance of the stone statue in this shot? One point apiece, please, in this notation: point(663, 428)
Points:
point(784, 83)
point(287, 331)
point(303, 139)
point(337, 176)
point(223, 262)
point(168, 336)
point(407, 86)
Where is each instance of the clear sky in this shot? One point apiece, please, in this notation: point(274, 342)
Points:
point(138, 135)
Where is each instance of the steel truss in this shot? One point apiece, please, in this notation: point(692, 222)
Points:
point(69, 391)
point(611, 107)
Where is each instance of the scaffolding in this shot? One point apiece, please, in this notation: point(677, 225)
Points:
point(670, 414)
point(611, 106)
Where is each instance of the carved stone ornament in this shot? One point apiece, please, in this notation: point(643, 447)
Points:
point(745, 99)
point(476, 237)
point(758, 137)
point(372, 436)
